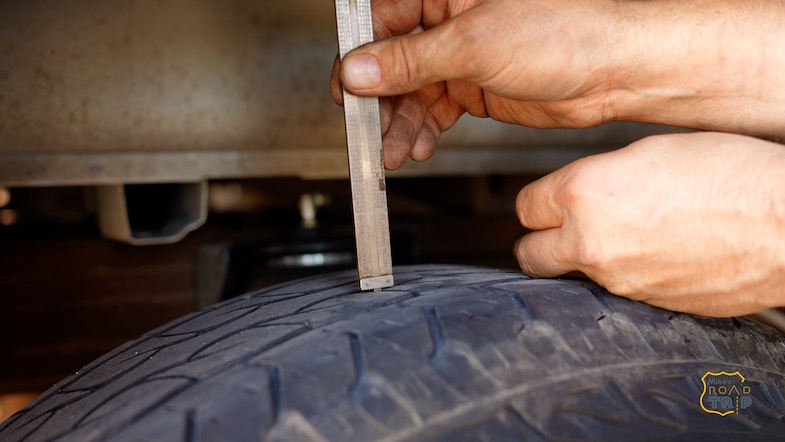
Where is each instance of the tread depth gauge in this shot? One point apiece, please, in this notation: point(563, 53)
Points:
point(366, 167)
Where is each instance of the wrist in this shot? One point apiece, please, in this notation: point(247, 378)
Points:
point(710, 65)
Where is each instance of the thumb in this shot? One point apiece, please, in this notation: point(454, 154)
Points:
point(402, 64)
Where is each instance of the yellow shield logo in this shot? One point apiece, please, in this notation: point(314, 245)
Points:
point(724, 393)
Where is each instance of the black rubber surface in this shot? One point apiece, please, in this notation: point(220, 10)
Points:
point(448, 354)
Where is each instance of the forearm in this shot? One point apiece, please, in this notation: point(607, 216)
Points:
point(710, 64)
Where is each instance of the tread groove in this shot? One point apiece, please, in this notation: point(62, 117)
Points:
point(523, 308)
point(276, 392)
point(518, 422)
point(190, 426)
point(436, 330)
point(357, 358)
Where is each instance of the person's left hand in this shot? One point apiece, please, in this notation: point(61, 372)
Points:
point(689, 222)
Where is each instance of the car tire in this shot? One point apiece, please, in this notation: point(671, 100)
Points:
point(450, 353)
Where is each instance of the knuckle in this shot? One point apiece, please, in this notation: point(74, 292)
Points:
point(619, 286)
point(591, 254)
point(403, 73)
point(575, 189)
point(599, 264)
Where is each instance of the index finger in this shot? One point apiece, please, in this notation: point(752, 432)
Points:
point(395, 17)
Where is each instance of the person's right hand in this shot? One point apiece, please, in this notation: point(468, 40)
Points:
point(530, 62)
point(705, 64)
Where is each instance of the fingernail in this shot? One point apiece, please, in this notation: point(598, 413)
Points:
point(362, 72)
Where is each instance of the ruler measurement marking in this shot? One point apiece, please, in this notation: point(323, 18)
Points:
point(366, 170)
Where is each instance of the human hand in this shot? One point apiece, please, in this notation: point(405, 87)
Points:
point(490, 58)
point(706, 64)
point(691, 222)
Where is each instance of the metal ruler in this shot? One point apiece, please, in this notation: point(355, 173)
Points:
point(366, 167)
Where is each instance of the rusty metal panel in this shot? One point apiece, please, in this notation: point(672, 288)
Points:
point(84, 75)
